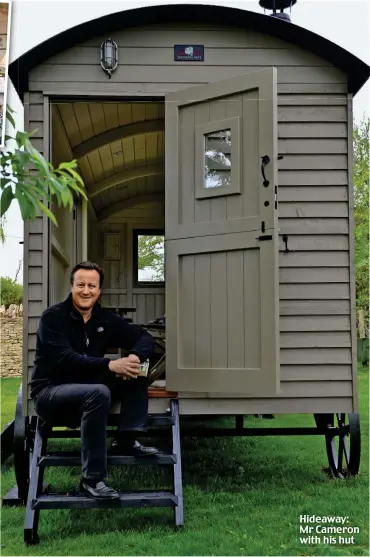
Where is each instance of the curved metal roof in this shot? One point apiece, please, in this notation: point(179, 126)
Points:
point(358, 72)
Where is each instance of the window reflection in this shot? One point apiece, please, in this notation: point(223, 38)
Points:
point(217, 154)
point(150, 258)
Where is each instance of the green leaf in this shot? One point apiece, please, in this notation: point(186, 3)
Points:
point(24, 205)
point(78, 190)
point(6, 199)
point(32, 196)
point(38, 157)
point(67, 165)
point(76, 176)
point(48, 213)
point(9, 116)
point(21, 138)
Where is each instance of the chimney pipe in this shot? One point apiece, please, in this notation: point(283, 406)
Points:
point(281, 5)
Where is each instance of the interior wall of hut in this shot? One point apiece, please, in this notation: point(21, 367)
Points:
point(111, 245)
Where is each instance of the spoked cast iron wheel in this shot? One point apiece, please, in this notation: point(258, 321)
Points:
point(343, 442)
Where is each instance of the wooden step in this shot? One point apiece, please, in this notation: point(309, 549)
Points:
point(161, 393)
point(127, 499)
point(160, 420)
point(74, 459)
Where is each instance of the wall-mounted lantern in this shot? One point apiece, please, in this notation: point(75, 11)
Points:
point(275, 5)
point(109, 56)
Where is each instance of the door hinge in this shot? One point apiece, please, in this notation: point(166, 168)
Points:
point(263, 226)
point(285, 240)
point(276, 199)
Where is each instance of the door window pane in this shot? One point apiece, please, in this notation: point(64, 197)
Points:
point(217, 154)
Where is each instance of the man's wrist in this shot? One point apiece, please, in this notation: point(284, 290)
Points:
point(134, 353)
point(111, 365)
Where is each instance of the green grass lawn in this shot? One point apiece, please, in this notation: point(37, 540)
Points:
point(242, 496)
point(9, 393)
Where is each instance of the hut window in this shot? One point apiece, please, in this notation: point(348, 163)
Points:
point(217, 158)
point(148, 257)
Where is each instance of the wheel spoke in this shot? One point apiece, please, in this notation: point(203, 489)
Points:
point(346, 451)
point(333, 457)
point(340, 454)
point(342, 444)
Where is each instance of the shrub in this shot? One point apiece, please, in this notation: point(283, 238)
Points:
point(361, 149)
point(10, 292)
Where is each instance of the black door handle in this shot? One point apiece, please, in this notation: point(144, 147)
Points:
point(265, 161)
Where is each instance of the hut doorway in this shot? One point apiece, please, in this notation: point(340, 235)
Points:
point(120, 151)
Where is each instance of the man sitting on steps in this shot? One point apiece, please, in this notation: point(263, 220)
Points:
point(74, 384)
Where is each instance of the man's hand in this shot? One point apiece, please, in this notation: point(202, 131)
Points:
point(127, 367)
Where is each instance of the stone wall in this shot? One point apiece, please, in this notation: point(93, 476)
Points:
point(11, 346)
point(12, 311)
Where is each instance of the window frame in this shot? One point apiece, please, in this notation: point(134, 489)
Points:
point(136, 232)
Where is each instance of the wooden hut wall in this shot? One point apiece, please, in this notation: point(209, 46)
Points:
point(315, 192)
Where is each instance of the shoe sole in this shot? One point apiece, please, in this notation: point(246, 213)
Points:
point(115, 452)
point(140, 455)
point(85, 494)
point(145, 454)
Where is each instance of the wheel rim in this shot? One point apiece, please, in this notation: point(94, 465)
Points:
point(343, 445)
point(21, 449)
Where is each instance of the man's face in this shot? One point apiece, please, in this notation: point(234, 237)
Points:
point(85, 289)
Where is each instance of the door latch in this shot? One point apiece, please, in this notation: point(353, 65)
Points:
point(263, 238)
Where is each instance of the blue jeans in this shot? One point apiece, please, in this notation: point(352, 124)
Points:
point(87, 405)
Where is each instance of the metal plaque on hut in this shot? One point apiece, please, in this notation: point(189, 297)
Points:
point(189, 53)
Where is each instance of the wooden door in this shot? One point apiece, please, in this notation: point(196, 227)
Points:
point(66, 249)
point(222, 302)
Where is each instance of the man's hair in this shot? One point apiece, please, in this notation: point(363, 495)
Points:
point(89, 266)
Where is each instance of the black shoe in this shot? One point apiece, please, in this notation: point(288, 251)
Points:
point(137, 449)
point(101, 491)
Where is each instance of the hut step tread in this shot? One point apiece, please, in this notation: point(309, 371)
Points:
point(127, 499)
point(153, 420)
point(73, 459)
